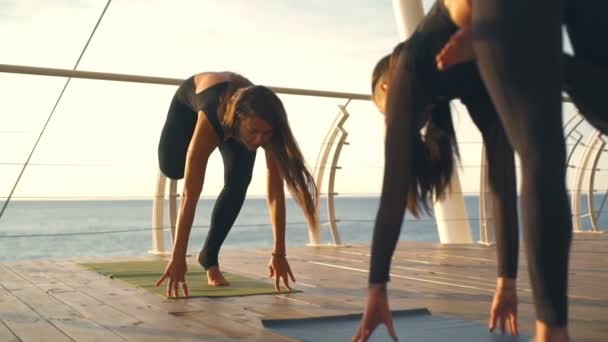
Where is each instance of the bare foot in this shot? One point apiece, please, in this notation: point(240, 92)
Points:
point(458, 49)
point(215, 277)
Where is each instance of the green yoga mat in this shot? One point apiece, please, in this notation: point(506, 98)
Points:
point(144, 274)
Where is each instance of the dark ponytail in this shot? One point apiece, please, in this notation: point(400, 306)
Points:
point(433, 159)
point(433, 156)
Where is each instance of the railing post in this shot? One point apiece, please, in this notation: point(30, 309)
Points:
point(158, 208)
point(173, 207)
point(336, 129)
point(486, 217)
point(331, 193)
point(450, 213)
point(590, 192)
point(578, 182)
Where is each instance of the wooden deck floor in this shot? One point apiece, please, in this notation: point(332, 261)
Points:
point(59, 301)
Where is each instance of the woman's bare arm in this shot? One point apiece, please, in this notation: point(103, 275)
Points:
point(459, 49)
point(276, 204)
point(204, 141)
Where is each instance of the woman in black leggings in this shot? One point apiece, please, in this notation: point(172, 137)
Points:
point(225, 111)
point(522, 66)
point(539, 140)
point(417, 167)
point(524, 69)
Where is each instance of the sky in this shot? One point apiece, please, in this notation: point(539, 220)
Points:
point(102, 140)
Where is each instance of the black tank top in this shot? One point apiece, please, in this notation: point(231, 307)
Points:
point(207, 100)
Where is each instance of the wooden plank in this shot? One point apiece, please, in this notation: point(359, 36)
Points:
point(329, 271)
point(456, 271)
point(104, 315)
point(488, 274)
point(309, 300)
point(333, 282)
point(433, 303)
point(236, 309)
point(231, 328)
point(20, 317)
point(68, 320)
point(400, 276)
point(351, 295)
point(157, 324)
point(6, 334)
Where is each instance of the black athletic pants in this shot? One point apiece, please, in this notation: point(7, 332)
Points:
point(518, 44)
point(238, 168)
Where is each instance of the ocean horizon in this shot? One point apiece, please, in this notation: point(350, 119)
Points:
point(51, 229)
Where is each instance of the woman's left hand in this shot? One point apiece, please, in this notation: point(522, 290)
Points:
point(279, 268)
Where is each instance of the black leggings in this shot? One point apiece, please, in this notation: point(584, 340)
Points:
point(238, 168)
point(501, 178)
point(521, 64)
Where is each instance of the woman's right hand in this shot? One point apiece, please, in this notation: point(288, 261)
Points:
point(176, 272)
point(504, 306)
point(376, 312)
point(459, 49)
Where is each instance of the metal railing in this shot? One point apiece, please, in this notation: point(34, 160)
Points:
point(334, 140)
point(593, 149)
point(336, 131)
point(93, 75)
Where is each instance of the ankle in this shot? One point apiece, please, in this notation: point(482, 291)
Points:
point(213, 269)
point(546, 333)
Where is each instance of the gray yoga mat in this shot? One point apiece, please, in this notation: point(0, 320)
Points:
point(411, 325)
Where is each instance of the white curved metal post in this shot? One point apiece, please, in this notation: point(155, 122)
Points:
point(172, 207)
point(571, 127)
point(331, 206)
point(486, 217)
point(407, 15)
point(450, 213)
point(329, 143)
point(591, 154)
point(158, 209)
point(593, 215)
point(578, 182)
point(451, 216)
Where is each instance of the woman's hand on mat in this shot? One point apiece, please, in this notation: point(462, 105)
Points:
point(504, 306)
point(176, 273)
point(376, 312)
point(279, 269)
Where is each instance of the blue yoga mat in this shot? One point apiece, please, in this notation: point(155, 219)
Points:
point(411, 325)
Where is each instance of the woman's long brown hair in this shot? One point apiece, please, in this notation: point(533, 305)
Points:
point(265, 104)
